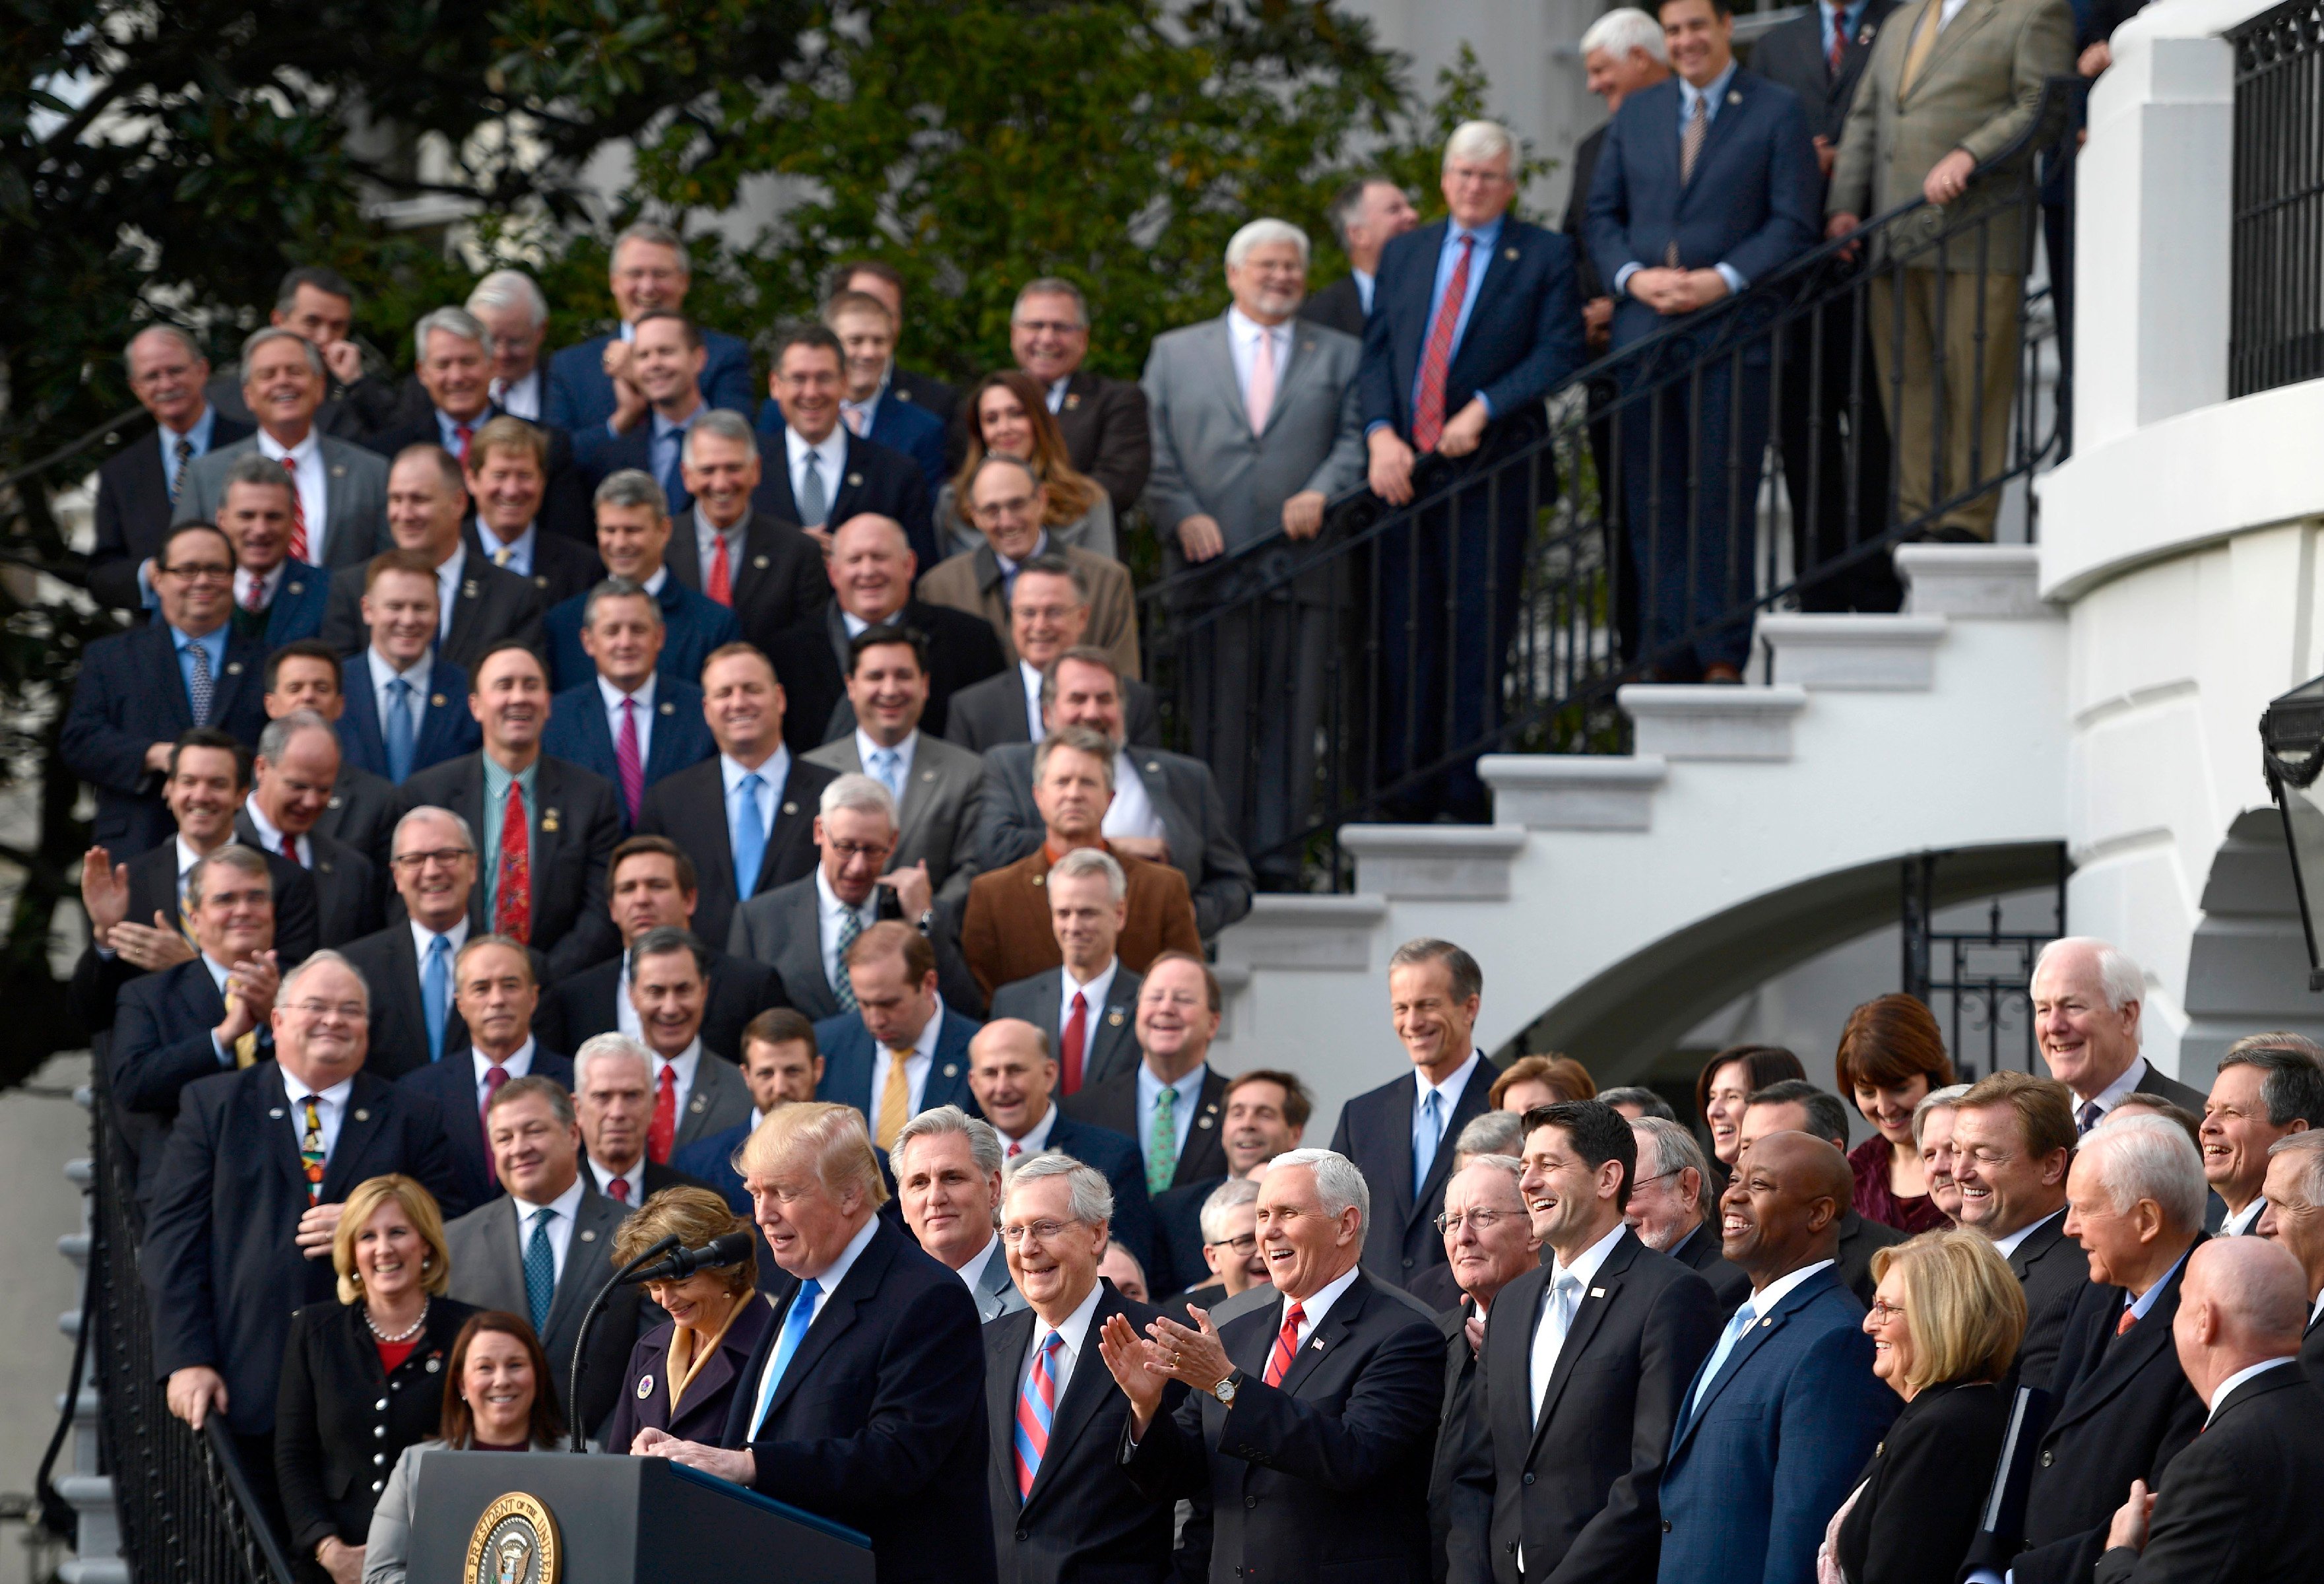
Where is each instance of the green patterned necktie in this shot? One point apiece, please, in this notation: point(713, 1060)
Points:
point(1162, 1142)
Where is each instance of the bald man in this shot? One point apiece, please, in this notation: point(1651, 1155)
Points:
point(2221, 1512)
point(1778, 1422)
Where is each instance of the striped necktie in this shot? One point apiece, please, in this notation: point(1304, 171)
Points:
point(1287, 1344)
point(1036, 1408)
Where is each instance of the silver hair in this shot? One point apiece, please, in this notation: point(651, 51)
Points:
point(984, 1143)
point(1052, 286)
point(1674, 1149)
point(1092, 860)
point(2145, 1156)
point(1491, 1133)
point(618, 588)
point(632, 486)
point(259, 338)
point(275, 740)
point(1943, 1099)
point(430, 811)
point(1649, 1104)
point(2119, 974)
point(2308, 1146)
point(457, 322)
point(718, 423)
point(1624, 28)
point(597, 1047)
point(184, 339)
point(660, 235)
point(232, 855)
point(1481, 140)
point(1338, 1183)
point(1226, 1196)
point(511, 289)
point(258, 472)
point(1499, 1162)
point(1090, 1197)
point(1260, 232)
point(290, 984)
point(859, 792)
point(1081, 739)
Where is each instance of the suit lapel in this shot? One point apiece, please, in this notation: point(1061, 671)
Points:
point(1005, 1341)
point(161, 660)
point(1334, 1329)
point(501, 1286)
point(682, 555)
point(366, 1116)
point(273, 1100)
point(780, 833)
point(1725, 114)
point(1085, 1393)
point(1218, 368)
point(593, 1220)
point(835, 1315)
point(2121, 1359)
point(1762, 1327)
point(1597, 1298)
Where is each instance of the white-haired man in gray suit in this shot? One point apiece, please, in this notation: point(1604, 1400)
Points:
point(1256, 428)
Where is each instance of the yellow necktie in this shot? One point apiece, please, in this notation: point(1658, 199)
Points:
point(1925, 39)
point(895, 1101)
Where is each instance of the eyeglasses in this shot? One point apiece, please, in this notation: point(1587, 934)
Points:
point(349, 1011)
point(848, 850)
point(1657, 1177)
point(1039, 1231)
point(1883, 1312)
point(1052, 327)
point(446, 855)
point(196, 572)
point(1481, 1221)
point(1242, 1245)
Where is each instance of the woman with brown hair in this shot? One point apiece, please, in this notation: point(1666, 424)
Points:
point(1008, 415)
point(361, 1377)
point(1540, 1081)
point(1891, 1057)
point(498, 1397)
point(1728, 1080)
point(683, 1372)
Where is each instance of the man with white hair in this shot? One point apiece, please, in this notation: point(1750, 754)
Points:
point(2294, 1218)
point(1622, 52)
point(1255, 430)
point(516, 316)
point(1667, 1209)
point(614, 1101)
point(763, 568)
point(1475, 320)
point(1321, 1407)
point(2086, 997)
point(2122, 1408)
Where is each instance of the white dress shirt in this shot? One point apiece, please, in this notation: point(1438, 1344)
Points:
point(830, 461)
point(272, 839)
point(1448, 1093)
point(2005, 1246)
point(915, 1065)
point(330, 1109)
point(518, 1065)
point(973, 1271)
point(829, 911)
point(1035, 1138)
point(560, 1225)
point(2108, 1097)
point(1029, 676)
point(684, 1065)
point(1092, 993)
point(383, 671)
point(1074, 1335)
point(625, 1011)
point(266, 583)
point(2240, 1222)
point(519, 398)
point(2226, 1388)
point(613, 698)
point(1549, 1340)
point(1244, 337)
point(1131, 812)
point(827, 1282)
point(1318, 1304)
point(1364, 280)
point(314, 487)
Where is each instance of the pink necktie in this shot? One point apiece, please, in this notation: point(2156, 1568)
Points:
point(854, 416)
point(628, 763)
point(1262, 394)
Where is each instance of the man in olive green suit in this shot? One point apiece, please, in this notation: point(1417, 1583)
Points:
point(1951, 84)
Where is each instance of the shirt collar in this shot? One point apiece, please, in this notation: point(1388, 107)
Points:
point(1037, 1137)
point(383, 671)
point(307, 448)
point(663, 428)
point(613, 695)
point(833, 905)
point(565, 1204)
point(1008, 568)
point(521, 545)
point(687, 1062)
point(498, 778)
point(518, 1063)
point(832, 1274)
point(2237, 1224)
point(218, 972)
point(457, 937)
point(2145, 1302)
point(830, 452)
point(2226, 1388)
point(1451, 1088)
point(1763, 1302)
point(2005, 1246)
point(1318, 1303)
point(448, 427)
point(774, 772)
point(2111, 1096)
point(1486, 234)
point(338, 1094)
point(1075, 1328)
point(1245, 327)
point(199, 434)
point(186, 857)
point(269, 835)
point(213, 643)
point(1716, 93)
point(1189, 1087)
point(980, 1262)
point(1593, 1256)
point(865, 747)
point(1093, 992)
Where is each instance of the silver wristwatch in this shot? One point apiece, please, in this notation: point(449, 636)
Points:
point(1225, 1390)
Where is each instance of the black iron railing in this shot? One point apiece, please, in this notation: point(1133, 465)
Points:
point(1978, 982)
point(2275, 334)
point(185, 1506)
point(1632, 531)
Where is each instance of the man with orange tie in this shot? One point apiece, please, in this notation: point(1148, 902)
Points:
point(763, 568)
point(903, 1050)
point(1475, 320)
point(547, 827)
point(695, 1091)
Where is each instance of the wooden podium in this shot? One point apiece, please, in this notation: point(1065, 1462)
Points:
point(566, 1518)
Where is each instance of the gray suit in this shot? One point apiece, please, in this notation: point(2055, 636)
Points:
point(1184, 798)
point(995, 1291)
point(781, 927)
point(355, 493)
point(720, 1099)
point(938, 817)
point(488, 1251)
point(1253, 686)
point(1113, 1027)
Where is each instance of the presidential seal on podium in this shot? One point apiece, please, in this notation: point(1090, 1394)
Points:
point(514, 1542)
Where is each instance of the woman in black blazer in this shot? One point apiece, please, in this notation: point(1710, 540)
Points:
point(1945, 1323)
point(682, 1372)
point(363, 1378)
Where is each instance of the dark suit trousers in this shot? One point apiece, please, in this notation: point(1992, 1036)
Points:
point(1833, 437)
point(1692, 455)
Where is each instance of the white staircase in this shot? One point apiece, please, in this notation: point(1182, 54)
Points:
point(1619, 899)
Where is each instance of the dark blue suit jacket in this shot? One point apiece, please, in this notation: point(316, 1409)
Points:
point(1524, 336)
point(1755, 202)
point(711, 1159)
point(581, 397)
point(601, 454)
point(848, 1052)
point(447, 729)
point(1116, 1155)
point(300, 600)
point(900, 426)
point(879, 1422)
point(1759, 1465)
point(130, 695)
point(451, 1083)
point(579, 731)
point(693, 625)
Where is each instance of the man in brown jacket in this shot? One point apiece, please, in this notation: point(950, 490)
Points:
point(1007, 503)
point(1006, 935)
point(1951, 84)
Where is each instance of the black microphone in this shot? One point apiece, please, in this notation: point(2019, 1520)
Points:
point(732, 1249)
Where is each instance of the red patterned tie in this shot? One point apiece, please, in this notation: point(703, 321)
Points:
point(298, 512)
point(1838, 52)
point(495, 1076)
point(2129, 1319)
point(662, 1133)
point(620, 1189)
point(1287, 1344)
point(1076, 1035)
point(628, 763)
point(460, 434)
point(512, 876)
point(720, 584)
point(1428, 417)
point(1037, 1410)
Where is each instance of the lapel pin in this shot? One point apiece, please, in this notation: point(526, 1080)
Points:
point(791, 807)
point(1202, 1122)
point(336, 801)
point(1114, 1018)
point(434, 1363)
point(1733, 98)
point(468, 588)
point(1154, 766)
point(588, 1236)
point(324, 865)
point(1597, 1291)
point(696, 1106)
point(1768, 1321)
point(903, 395)
point(1511, 253)
point(668, 708)
point(362, 1116)
point(645, 1387)
point(759, 562)
point(952, 1070)
point(436, 701)
point(1317, 1344)
point(1072, 399)
point(233, 667)
point(338, 470)
point(298, 589)
point(548, 821)
point(538, 581)
point(276, 1113)
point(855, 480)
point(928, 775)
point(1037, 879)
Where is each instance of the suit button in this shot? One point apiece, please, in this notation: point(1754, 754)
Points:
point(2047, 1458)
point(378, 1459)
point(1023, 1534)
point(381, 1405)
point(1407, 1264)
point(1250, 1501)
point(1667, 1526)
point(377, 1485)
point(379, 1433)
point(1528, 1478)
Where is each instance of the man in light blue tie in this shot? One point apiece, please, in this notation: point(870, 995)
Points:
point(655, 401)
point(865, 1402)
point(1782, 1417)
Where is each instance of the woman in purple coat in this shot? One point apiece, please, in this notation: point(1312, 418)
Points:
point(682, 1373)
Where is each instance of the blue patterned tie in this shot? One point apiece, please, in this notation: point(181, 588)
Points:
point(748, 835)
point(795, 1325)
point(401, 734)
point(842, 984)
point(435, 991)
point(888, 765)
point(202, 690)
point(539, 1271)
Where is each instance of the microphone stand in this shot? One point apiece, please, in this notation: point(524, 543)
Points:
point(581, 1343)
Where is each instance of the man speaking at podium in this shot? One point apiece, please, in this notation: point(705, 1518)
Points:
point(864, 1403)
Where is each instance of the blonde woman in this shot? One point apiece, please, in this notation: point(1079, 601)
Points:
point(363, 1378)
point(682, 1372)
point(1945, 1322)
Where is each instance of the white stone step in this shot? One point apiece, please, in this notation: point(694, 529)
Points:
point(1302, 933)
point(1440, 862)
point(1983, 581)
point(1870, 653)
point(1573, 792)
point(1709, 721)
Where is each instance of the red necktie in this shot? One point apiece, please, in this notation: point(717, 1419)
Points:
point(297, 514)
point(460, 434)
point(512, 876)
point(2129, 1319)
point(291, 848)
point(1428, 417)
point(255, 600)
point(1287, 1344)
point(1015, 1150)
point(720, 584)
point(495, 1076)
point(628, 763)
point(620, 1189)
point(1076, 1035)
point(663, 1131)
point(1839, 51)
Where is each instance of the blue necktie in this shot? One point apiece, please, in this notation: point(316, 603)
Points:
point(435, 993)
point(202, 688)
point(1736, 1327)
point(748, 835)
point(1426, 1130)
point(795, 1325)
point(888, 765)
point(540, 1272)
point(400, 731)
